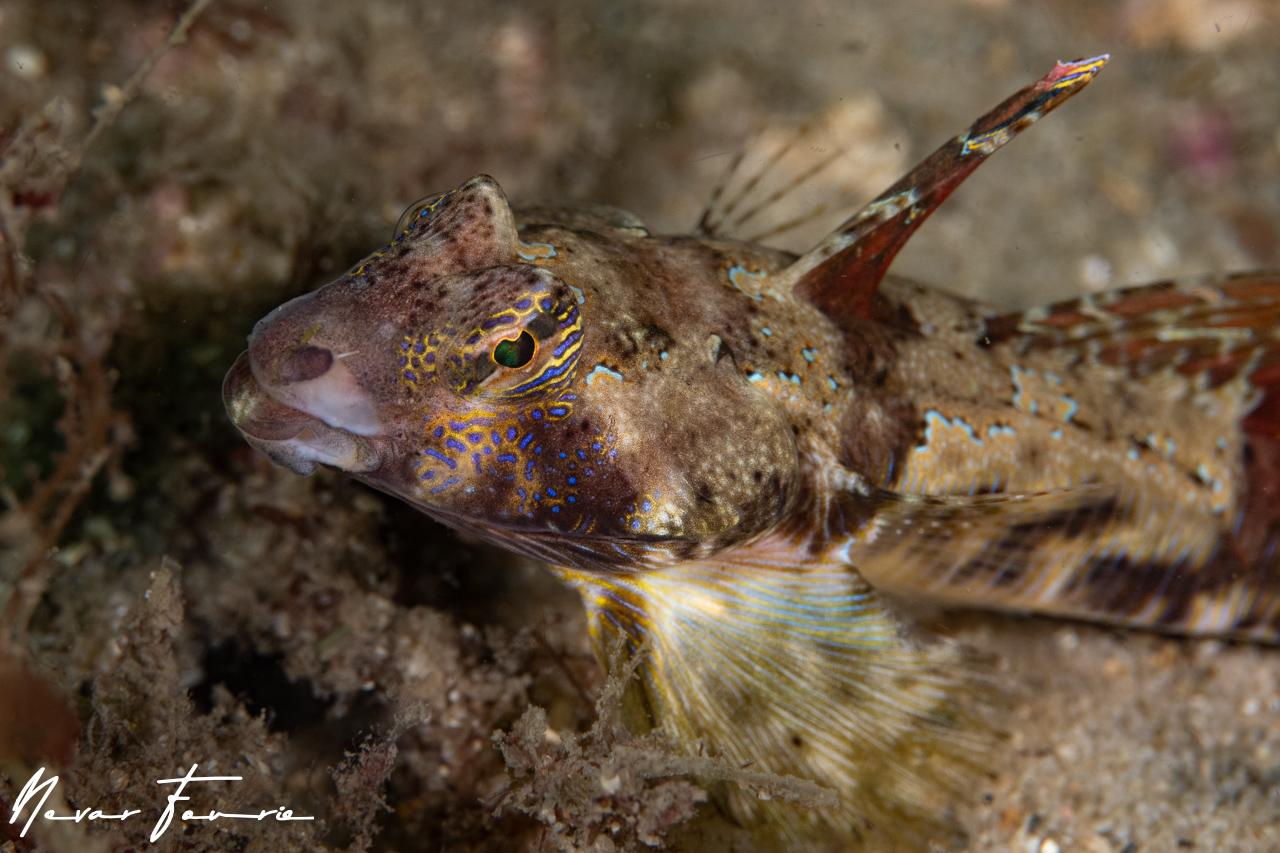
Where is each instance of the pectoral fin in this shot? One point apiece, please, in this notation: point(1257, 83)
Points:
point(1119, 554)
point(790, 662)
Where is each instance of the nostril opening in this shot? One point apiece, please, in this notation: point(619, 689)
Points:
point(306, 363)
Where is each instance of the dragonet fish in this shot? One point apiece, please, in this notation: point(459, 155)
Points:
point(733, 453)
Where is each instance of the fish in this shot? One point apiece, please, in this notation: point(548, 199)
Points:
point(743, 459)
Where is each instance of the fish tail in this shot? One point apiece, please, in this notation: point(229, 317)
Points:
point(789, 663)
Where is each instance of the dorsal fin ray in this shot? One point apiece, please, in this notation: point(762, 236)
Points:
point(840, 275)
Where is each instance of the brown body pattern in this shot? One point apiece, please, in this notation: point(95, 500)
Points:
point(727, 449)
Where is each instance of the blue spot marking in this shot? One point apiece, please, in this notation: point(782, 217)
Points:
point(550, 373)
point(525, 441)
point(475, 461)
point(528, 471)
point(646, 506)
point(582, 456)
point(439, 431)
point(809, 354)
point(573, 481)
point(405, 361)
point(546, 304)
point(533, 256)
point(475, 437)
point(454, 444)
point(404, 345)
point(507, 457)
point(600, 368)
point(1072, 408)
point(511, 433)
point(429, 475)
point(536, 414)
point(557, 411)
point(1000, 429)
point(430, 358)
point(1057, 433)
point(523, 304)
point(500, 320)
point(1016, 373)
point(831, 380)
point(635, 525)
point(932, 417)
point(578, 292)
point(768, 333)
point(419, 347)
point(596, 446)
point(738, 278)
point(445, 459)
point(521, 492)
point(568, 342)
point(551, 492)
point(410, 376)
point(446, 484)
point(572, 499)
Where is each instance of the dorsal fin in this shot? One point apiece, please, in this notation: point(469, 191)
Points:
point(1215, 330)
point(841, 274)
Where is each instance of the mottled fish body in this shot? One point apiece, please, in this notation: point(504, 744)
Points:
point(728, 449)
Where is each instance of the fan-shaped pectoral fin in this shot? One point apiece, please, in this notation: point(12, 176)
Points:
point(787, 661)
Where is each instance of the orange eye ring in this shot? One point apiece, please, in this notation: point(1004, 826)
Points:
point(517, 353)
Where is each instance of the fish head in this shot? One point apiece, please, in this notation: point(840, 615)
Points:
point(447, 369)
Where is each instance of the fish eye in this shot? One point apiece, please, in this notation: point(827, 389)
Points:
point(515, 353)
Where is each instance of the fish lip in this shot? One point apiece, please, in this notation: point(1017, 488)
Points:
point(333, 395)
point(291, 437)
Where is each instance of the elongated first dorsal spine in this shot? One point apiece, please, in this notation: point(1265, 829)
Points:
point(840, 275)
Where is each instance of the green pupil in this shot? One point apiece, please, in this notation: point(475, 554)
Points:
point(515, 353)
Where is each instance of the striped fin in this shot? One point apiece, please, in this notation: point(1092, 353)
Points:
point(1217, 327)
point(1114, 553)
point(788, 661)
point(841, 275)
point(1215, 331)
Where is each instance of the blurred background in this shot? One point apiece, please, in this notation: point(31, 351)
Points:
point(298, 619)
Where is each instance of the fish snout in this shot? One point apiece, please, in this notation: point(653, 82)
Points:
point(299, 356)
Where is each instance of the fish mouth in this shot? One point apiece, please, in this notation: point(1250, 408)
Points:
point(291, 437)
